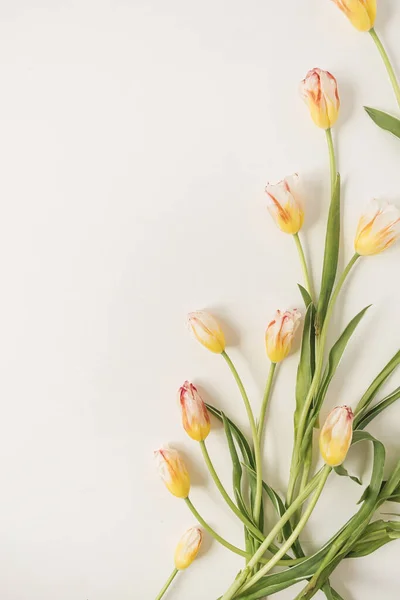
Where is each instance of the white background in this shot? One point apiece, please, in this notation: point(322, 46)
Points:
point(136, 139)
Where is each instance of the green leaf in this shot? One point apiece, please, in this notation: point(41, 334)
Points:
point(343, 540)
point(244, 446)
point(375, 536)
point(236, 469)
point(391, 488)
point(384, 120)
point(336, 354)
point(376, 384)
point(330, 593)
point(331, 255)
point(344, 473)
point(305, 369)
point(334, 358)
point(276, 501)
point(305, 295)
point(373, 412)
point(246, 452)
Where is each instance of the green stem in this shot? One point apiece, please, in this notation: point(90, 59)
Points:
point(253, 427)
point(315, 382)
point(264, 405)
point(256, 532)
point(296, 532)
point(211, 531)
point(231, 547)
point(239, 581)
point(332, 158)
point(303, 263)
point(388, 64)
point(167, 584)
point(306, 472)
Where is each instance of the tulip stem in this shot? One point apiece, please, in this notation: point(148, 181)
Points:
point(294, 469)
point(256, 532)
point(167, 584)
point(388, 64)
point(285, 562)
point(332, 159)
point(296, 532)
point(265, 401)
point(253, 426)
point(317, 483)
point(303, 263)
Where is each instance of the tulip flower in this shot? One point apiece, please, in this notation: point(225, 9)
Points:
point(195, 417)
point(280, 333)
point(188, 548)
point(284, 204)
point(173, 471)
point(361, 13)
point(336, 435)
point(207, 331)
point(378, 228)
point(320, 92)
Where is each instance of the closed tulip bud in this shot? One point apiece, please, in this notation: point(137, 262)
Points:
point(336, 435)
point(195, 417)
point(207, 331)
point(188, 548)
point(284, 204)
point(319, 90)
point(361, 13)
point(378, 228)
point(173, 471)
point(280, 333)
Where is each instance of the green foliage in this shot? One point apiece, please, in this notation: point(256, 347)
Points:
point(331, 255)
point(384, 120)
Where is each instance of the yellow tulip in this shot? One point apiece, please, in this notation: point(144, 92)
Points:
point(378, 228)
point(173, 471)
point(188, 548)
point(207, 331)
point(361, 13)
point(195, 417)
point(285, 204)
point(336, 435)
point(280, 333)
point(320, 92)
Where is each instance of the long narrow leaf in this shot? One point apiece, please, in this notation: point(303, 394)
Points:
point(349, 534)
point(305, 369)
point(366, 418)
point(378, 382)
point(384, 120)
point(330, 593)
point(331, 254)
point(244, 446)
point(247, 454)
point(276, 501)
point(305, 295)
point(344, 473)
point(236, 469)
point(336, 354)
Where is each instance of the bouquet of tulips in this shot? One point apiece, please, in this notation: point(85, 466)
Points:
point(268, 545)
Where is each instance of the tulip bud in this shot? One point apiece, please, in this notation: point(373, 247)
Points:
point(280, 333)
point(361, 13)
point(207, 331)
point(336, 435)
point(173, 471)
point(195, 417)
point(188, 548)
point(378, 228)
point(285, 205)
point(320, 92)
